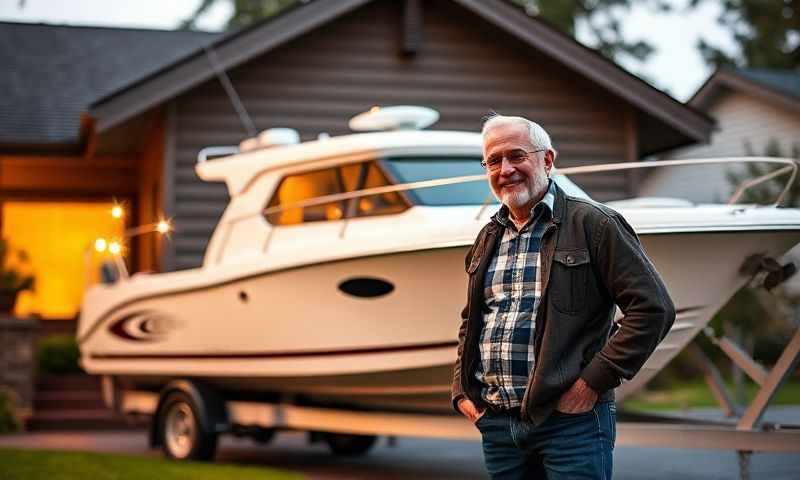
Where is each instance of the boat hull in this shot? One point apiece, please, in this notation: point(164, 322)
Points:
point(294, 332)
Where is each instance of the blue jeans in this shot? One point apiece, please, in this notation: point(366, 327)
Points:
point(565, 446)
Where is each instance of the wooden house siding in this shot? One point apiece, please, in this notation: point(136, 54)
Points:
point(464, 68)
point(742, 119)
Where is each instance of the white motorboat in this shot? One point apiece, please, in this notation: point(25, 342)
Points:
point(336, 276)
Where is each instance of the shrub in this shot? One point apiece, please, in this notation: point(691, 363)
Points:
point(58, 354)
point(8, 421)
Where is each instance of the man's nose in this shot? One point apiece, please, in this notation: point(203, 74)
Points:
point(506, 168)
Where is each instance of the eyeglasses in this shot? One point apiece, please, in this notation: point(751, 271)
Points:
point(514, 157)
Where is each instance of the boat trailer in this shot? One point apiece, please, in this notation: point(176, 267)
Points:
point(744, 432)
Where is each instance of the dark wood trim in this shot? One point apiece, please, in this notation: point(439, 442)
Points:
point(168, 185)
point(231, 50)
point(74, 175)
point(88, 136)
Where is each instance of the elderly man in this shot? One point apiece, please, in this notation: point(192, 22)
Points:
point(537, 361)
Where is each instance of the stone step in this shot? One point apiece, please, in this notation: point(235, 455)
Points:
point(96, 419)
point(67, 382)
point(68, 400)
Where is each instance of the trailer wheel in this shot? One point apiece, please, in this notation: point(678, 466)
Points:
point(349, 444)
point(182, 434)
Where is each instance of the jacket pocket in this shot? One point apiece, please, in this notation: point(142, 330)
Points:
point(568, 280)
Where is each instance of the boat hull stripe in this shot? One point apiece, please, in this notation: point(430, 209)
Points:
point(252, 355)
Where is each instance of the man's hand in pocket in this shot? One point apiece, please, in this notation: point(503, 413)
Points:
point(469, 410)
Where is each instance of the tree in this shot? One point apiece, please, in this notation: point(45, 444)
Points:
point(767, 33)
point(245, 12)
point(603, 19)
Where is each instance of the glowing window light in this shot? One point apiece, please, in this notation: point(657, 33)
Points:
point(100, 244)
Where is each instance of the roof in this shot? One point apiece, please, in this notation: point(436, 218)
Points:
point(52, 73)
point(781, 87)
point(241, 46)
point(783, 80)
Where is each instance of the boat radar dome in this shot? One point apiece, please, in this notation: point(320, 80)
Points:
point(274, 137)
point(400, 117)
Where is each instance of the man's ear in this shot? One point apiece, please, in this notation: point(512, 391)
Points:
point(549, 160)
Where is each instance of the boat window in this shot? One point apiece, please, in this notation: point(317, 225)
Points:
point(371, 176)
point(415, 169)
point(329, 181)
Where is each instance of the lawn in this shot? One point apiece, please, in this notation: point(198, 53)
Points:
point(697, 394)
point(41, 464)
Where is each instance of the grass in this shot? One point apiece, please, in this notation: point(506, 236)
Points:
point(42, 464)
point(696, 394)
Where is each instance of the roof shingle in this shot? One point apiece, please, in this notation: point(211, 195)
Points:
point(785, 81)
point(52, 73)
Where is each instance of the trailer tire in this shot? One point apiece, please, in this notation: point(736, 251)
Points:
point(182, 434)
point(349, 444)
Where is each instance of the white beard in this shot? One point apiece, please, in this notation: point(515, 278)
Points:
point(517, 196)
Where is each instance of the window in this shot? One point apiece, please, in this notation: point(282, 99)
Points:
point(59, 240)
point(330, 181)
point(416, 169)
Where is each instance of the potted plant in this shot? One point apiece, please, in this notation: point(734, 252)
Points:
point(12, 280)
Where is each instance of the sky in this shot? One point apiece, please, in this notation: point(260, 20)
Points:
point(676, 67)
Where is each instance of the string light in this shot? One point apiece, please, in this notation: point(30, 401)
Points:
point(163, 227)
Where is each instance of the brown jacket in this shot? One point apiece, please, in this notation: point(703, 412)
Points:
point(591, 259)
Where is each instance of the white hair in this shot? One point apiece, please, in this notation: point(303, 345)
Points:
point(539, 137)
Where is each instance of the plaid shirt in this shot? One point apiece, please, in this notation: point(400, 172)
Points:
point(512, 289)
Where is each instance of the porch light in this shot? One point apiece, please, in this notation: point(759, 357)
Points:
point(115, 248)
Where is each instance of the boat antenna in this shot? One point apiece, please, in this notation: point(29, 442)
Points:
point(247, 122)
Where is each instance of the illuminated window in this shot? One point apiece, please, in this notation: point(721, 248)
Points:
point(59, 238)
point(347, 178)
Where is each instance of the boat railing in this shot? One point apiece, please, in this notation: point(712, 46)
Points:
point(790, 167)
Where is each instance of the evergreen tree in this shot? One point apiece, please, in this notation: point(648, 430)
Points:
point(767, 33)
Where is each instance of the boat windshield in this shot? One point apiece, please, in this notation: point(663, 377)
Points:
point(416, 169)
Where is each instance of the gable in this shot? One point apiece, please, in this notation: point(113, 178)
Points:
point(676, 123)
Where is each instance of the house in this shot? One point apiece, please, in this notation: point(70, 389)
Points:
point(125, 118)
point(755, 109)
